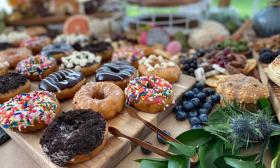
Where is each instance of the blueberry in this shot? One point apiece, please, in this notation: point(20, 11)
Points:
point(215, 98)
point(186, 67)
point(202, 96)
point(196, 102)
point(178, 108)
point(209, 91)
point(188, 106)
point(203, 117)
point(162, 140)
point(195, 90)
point(195, 121)
point(207, 106)
point(202, 111)
point(265, 50)
point(193, 114)
point(189, 95)
point(200, 52)
point(267, 57)
point(210, 101)
point(181, 115)
point(199, 85)
point(146, 151)
point(190, 70)
point(196, 126)
point(186, 61)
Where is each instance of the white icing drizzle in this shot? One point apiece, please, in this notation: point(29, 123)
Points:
point(161, 63)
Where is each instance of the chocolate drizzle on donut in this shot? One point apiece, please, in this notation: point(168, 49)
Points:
point(115, 71)
point(73, 133)
point(61, 80)
point(56, 49)
point(11, 81)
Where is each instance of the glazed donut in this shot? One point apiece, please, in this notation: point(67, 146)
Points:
point(13, 84)
point(57, 51)
point(158, 66)
point(117, 72)
point(104, 49)
point(103, 97)
point(149, 94)
point(129, 54)
point(37, 67)
point(64, 83)
point(77, 135)
point(29, 112)
point(75, 40)
point(83, 61)
point(4, 66)
point(35, 44)
point(15, 55)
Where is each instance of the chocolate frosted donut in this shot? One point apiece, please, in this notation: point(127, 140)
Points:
point(63, 83)
point(11, 81)
point(118, 72)
point(75, 136)
point(57, 50)
point(104, 49)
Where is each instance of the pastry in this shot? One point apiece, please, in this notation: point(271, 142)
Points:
point(14, 37)
point(29, 112)
point(149, 94)
point(37, 67)
point(158, 66)
point(104, 49)
point(273, 72)
point(117, 72)
point(74, 137)
point(57, 51)
point(4, 67)
point(15, 55)
point(64, 83)
point(129, 54)
point(76, 40)
point(35, 44)
point(103, 97)
point(83, 61)
point(242, 89)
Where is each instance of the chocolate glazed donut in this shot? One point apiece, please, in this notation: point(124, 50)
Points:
point(57, 51)
point(63, 83)
point(117, 72)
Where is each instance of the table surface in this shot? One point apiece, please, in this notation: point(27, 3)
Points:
point(12, 156)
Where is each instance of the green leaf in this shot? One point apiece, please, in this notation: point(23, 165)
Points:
point(264, 104)
point(276, 162)
point(186, 150)
point(194, 137)
point(235, 161)
point(152, 159)
point(178, 161)
point(217, 116)
point(209, 152)
point(153, 164)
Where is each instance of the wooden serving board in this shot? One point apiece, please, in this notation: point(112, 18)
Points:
point(116, 148)
point(274, 90)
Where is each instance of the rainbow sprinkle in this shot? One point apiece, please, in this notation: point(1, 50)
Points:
point(148, 88)
point(35, 41)
point(36, 65)
point(27, 108)
point(129, 54)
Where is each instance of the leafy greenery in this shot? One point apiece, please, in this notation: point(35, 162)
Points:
point(229, 130)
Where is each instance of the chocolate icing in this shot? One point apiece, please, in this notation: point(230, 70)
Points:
point(115, 71)
point(61, 80)
point(56, 49)
point(4, 46)
point(97, 47)
point(73, 133)
point(11, 81)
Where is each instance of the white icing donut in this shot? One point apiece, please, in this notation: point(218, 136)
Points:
point(160, 62)
point(72, 39)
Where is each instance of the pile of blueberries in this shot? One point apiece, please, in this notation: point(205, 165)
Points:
point(189, 65)
point(196, 105)
point(267, 55)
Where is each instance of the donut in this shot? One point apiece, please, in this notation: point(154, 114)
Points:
point(129, 54)
point(15, 55)
point(37, 67)
point(4, 66)
point(74, 137)
point(75, 40)
point(57, 51)
point(5, 45)
point(77, 24)
point(117, 72)
point(64, 83)
point(104, 49)
point(103, 97)
point(149, 94)
point(14, 37)
point(36, 31)
point(35, 44)
point(29, 112)
point(158, 66)
point(83, 61)
point(13, 84)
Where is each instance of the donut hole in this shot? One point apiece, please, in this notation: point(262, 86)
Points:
point(99, 96)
